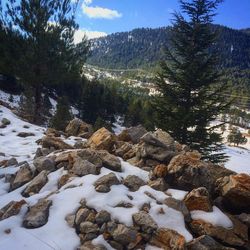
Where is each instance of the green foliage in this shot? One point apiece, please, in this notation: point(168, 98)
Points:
point(62, 116)
point(189, 82)
point(99, 123)
point(236, 137)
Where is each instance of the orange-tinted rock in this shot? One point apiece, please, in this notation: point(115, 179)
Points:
point(54, 142)
point(160, 171)
point(11, 209)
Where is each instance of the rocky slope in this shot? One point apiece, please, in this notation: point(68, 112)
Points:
point(81, 189)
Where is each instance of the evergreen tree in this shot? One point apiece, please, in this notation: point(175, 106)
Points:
point(62, 116)
point(48, 54)
point(189, 83)
point(236, 137)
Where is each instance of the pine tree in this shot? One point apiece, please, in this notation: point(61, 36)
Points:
point(236, 137)
point(48, 53)
point(189, 82)
point(62, 116)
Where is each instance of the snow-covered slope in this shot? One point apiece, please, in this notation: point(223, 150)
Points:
point(57, 234)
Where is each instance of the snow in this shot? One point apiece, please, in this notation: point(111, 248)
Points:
point(6, 98)
point(118, 125)
point(177, 194)
point(216, 217)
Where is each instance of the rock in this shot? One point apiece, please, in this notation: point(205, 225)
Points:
point(64, 179)
point(70, 218)
point(157, 146)
point(110, 161)
point(160, 171)
point(37, 216)
point(89, 246)
point(102, 217)
point(54, 142)
point(168, 239)
point(102, 139)
point(81, 216)
point(206, 242)
point(44, 163)
point(198, 199)
point(77, 127)
point(145, 222)
point(23, 176)
point(5, 122)
point(53, 132)
point(42, 152)
point(84, 167)
point(106, 181)
point(236, 236)
point(179, 206)
point(91, 156)
point(88, 227)
point(245, 218)
point(11, 162)
point(158, 184)
point(133, 182)
point(235, 190)
point(25, 134)
point(124, 235)
point(36, 184)
point(132, 134)
point(186, 171)
point(11, 209)
point(102, 189)
point(125, 150)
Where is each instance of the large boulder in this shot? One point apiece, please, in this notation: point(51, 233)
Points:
point(77, 127)
point(44, 163)
point(235, 191)
point(187, 171)
point(37, 215)
point(237, 236)
point(102, 139)
point(198, 199)
point(158, 146)
point(84, 167)
point(54, 142)
point(36, 184)
point(11, 209)
point(104, 183)
point(167, 239)
point(23, 175)
point(145, 222)
point(132, 134)
point(110, 161)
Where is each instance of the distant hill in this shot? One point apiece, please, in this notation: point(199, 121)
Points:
point(144, 48)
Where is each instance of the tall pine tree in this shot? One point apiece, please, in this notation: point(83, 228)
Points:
point(189, 82)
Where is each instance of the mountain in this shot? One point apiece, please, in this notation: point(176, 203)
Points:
point(143, 48)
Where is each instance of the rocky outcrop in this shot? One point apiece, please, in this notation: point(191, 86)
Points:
point(187, 171)
point(11, 209)
point(132, 134)
point(133, 182)
point(23, 175)
point(36, 184)
point(54, 142)
point(198, 199)
point(44, 163)
point(167, 239)
point(235, 191)
point(102, 139)
point(79, 128)
point(37, 215)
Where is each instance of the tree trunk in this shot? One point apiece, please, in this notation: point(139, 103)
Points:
point(38, 104)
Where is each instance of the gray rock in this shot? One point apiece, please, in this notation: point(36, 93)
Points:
point(70, 218)
point(11, 209)
point(25, 134)
point(206, 242)
point(38, 215)
point(102, 189)
point(110, 161)
point(106, 180)
point(124, 235)
point(44, 163)
point(245, 218)
point(88, 227)
point(133, 182)
point(12, 162)
point(24, 175)
point(81, 216)
point(84, 167)
point(102, 217)
point(36, 184)
point(145, 222)
point(159, 184)
point(5, 121)
point(91, 156)
point(89, 246)
point(133, 134)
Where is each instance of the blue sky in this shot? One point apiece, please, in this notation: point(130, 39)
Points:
point(108, 16)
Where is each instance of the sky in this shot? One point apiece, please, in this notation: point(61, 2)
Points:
point(101, 17)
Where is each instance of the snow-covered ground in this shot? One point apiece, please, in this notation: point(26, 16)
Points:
point(56, 234)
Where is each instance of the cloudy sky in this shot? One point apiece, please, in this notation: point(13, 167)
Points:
point(100, 17)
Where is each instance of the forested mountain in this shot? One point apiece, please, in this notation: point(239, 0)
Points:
point(144, 47)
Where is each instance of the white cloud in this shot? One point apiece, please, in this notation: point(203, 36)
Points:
point(79, 34)
point(99, 12)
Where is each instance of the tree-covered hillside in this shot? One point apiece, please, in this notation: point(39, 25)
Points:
point(144, 48)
